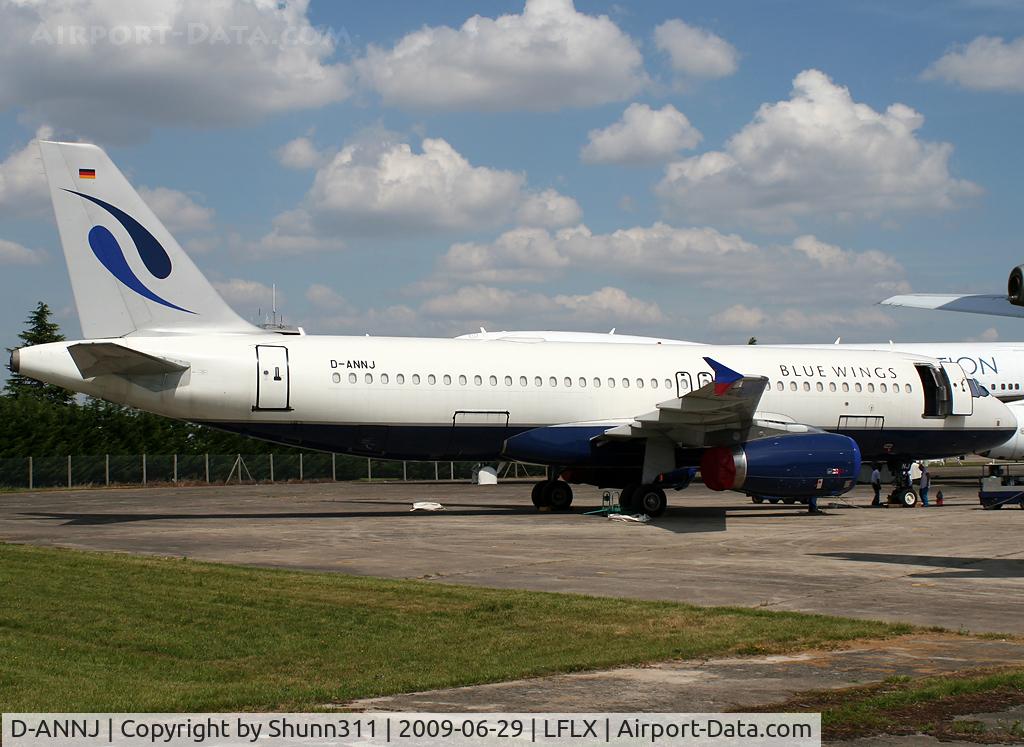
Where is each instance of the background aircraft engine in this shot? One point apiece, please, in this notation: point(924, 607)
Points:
point(1015, 286)
point(797, 464)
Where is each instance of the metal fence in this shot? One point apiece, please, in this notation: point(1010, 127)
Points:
point(146, 469)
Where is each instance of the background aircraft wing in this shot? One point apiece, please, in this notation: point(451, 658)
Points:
point(720, 412)
point(991, 304)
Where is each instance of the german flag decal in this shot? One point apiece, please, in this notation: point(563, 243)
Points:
point(87, 173)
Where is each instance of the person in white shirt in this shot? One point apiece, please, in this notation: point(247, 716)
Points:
point(876, 485)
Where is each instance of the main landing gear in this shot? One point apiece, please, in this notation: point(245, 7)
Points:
point(644, 499)
point(903, 490)
point(553, 494)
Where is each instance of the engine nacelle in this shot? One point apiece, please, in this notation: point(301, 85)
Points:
point(1015, 286)
point(789, 465)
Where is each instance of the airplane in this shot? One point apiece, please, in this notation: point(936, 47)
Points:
point(639, 417)
point(990, 304)
point(996, 366)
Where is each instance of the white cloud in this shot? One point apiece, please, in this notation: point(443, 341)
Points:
point(818, 153)
point(375, 186)
point(22, 180)
point(548, 209)
point(248, 294)
point(642, 136)
point(797, 320)
point(395, 189)
point(299, 153)
point(694, 52)
point(705, 257)
point(325, 297)
point(178, 211)
point(739, 317)
point(113, 71)
point(547, 58)
point(12, 253)
point(987, 63)
point(482, 303)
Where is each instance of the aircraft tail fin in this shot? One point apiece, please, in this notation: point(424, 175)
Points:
point(128, 274)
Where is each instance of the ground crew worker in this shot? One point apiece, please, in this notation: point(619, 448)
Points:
point(926, 482)
point(876, 485)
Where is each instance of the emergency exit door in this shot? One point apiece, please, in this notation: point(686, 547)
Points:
point(272, 389)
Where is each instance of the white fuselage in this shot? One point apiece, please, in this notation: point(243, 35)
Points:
point(403, 397)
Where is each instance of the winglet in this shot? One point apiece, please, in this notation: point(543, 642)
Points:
point(725, 377)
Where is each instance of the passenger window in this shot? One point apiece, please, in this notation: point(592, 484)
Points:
point(654, 383)
point(597, 383)
point(384, 379)
point(625, 383)
point(447, 380)
point(583, 381)
point(611, 383)
point(871, 387)
point(431, 379)
point(538, 381)
point(522, 381)
point(846, 387)
point(779, 386)
point(462, 379)
point(478, 380)
point(416, 379)
point(857, 387)
point(907, 388)
point(807, 386)
point(820, 387)
point(553, 381)
point(568, 381)
point(668, 383)
point(352, 378)
point(508, 381)
point(639, 383)
point(399, 378)
point(831, 386)
point(369, 378)
point(336, 377)
point(792, 386)
point(883, 388)
point(493, 381)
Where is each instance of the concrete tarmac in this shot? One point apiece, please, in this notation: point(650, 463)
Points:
point(955, 566)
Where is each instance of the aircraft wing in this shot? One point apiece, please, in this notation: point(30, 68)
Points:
point(721, 412)
point(991, 304)
point(98, 358)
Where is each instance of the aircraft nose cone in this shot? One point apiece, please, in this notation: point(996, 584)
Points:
point(15, 360)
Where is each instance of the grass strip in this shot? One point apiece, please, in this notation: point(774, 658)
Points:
point(929, 705)
point(86, 631)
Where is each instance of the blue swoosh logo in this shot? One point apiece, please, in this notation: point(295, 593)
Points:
point(111, 256)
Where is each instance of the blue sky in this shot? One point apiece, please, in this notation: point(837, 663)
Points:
point(703, 170)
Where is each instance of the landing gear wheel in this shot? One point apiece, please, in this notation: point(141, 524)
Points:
point(757, 499)
point(626, 498)
point(650, 500)
point(906, 497)
point(558, 495)
point(537, 494)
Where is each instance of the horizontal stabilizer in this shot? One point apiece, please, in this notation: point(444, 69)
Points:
point(98, 358)
point(990, 304)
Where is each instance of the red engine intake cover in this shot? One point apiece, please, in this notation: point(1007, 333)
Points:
point(718, 468)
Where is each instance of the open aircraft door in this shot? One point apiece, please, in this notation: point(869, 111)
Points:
point(961, 399)
point(272, 388)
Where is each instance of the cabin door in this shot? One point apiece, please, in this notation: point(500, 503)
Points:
point(272, 388)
